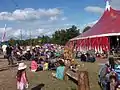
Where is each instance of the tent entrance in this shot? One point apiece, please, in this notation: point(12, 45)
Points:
point(114, 42)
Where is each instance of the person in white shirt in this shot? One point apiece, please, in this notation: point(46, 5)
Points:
point(4, 50)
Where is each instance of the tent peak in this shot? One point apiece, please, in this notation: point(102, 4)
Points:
point(108, 5)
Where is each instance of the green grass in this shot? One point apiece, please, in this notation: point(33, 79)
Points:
point(8, 79)
point(51, 83)
point(45, 77)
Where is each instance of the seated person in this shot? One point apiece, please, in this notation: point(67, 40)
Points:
point(91, 58)
point(83, 57)
point(60, 71)
point(45, 67)
point(41, 67)
point(28, 55)
point(34, 65)
point(52, 64)
point(40, 60)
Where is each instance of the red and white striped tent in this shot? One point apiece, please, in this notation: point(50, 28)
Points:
point(97, 37)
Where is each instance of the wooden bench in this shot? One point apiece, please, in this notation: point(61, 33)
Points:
point(72, 74)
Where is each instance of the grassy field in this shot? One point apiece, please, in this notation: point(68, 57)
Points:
point(44, 78)
point(92, 69)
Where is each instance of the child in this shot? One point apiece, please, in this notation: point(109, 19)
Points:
point(113, 82)
point(34, 65)
point(45, 67)
point(60, 71)
point(22, 82)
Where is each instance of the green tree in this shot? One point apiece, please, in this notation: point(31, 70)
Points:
point(45, 39)
point(86, 29)
point(62, 36)
point(12, 42)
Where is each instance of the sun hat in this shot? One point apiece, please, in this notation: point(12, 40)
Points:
point(22, 66)
point(33, 47)
point(37, 46)
point(18, 53)
point(28, 49)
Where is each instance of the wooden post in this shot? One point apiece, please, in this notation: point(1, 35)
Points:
point(65, 75)
point(83, 80)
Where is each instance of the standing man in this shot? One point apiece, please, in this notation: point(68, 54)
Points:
point(4, 50)
point(9, 50)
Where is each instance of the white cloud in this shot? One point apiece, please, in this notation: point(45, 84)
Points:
point(35, 29)
point(37, 32)
point(30, 14)
point(16, 33)
point(94, 9)
point(68, 24)
point(92, 23)
point(40, 30)
point(63, 18)
point(53, 18)
point(115, 4)
point(42, 22)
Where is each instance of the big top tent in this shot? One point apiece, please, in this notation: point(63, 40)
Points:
point(99, 36)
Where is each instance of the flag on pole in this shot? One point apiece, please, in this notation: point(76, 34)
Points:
point(4, 34)
point(3, 38)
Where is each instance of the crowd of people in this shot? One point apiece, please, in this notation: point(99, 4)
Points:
point(86, 57)
point(27, 53)
point(46, 57)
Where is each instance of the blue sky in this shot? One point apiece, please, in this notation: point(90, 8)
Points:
point(45, 16)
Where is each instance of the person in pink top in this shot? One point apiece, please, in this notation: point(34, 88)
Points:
point(34, 65)
point(22, 81)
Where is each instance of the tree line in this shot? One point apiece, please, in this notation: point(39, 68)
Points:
point(60, 37)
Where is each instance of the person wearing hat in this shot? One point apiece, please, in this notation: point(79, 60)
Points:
point(22, 81)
